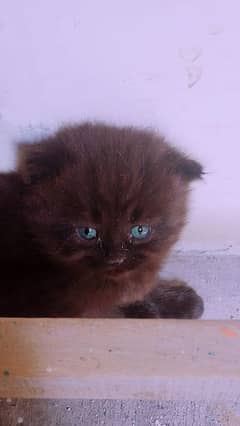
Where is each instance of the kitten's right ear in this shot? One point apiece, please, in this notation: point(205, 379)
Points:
point(39, 161)
point(184, 166)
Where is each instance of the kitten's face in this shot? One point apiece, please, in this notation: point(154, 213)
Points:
point(98, 235)
point(116, 203)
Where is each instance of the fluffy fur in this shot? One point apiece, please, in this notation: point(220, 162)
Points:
point(110, 179)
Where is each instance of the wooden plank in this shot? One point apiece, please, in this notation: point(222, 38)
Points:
point(120, 359)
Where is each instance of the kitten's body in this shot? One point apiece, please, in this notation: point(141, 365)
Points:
point(107, 178)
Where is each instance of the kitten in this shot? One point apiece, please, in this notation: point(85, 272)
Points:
point(87, 220)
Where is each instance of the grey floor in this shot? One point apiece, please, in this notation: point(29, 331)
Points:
point(217, 279)
point(117, 413)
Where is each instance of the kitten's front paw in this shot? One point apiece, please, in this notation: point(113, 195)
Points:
point(171, 299)
point(175, 299)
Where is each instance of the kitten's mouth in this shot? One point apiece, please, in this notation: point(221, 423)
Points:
point(115, 262)
point(118, 268)
point(113, 266)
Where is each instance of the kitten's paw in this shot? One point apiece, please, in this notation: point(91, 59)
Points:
point(176, 299)
point(171, 299)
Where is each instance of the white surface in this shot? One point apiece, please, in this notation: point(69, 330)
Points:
point(173, 65)
point(215, 277)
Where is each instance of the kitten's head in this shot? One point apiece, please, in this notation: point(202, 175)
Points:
point(105, 198)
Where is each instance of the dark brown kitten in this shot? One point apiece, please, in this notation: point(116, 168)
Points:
point(86, 222)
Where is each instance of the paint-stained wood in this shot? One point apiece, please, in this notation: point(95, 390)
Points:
point(141, 359)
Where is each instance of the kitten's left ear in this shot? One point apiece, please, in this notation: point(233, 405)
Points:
point(40, 161)
point(187, 168)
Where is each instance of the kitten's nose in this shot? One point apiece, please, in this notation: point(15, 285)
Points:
point(113, 255)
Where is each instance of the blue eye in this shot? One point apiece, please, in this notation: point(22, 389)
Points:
point(140, 231)
point(87, 233)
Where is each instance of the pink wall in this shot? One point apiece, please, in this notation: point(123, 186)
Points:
point(173, 65)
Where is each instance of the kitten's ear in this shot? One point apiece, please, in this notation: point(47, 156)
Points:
point(187, 168)
point(40, 161)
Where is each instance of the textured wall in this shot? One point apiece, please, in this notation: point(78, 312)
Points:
point(171, 65)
